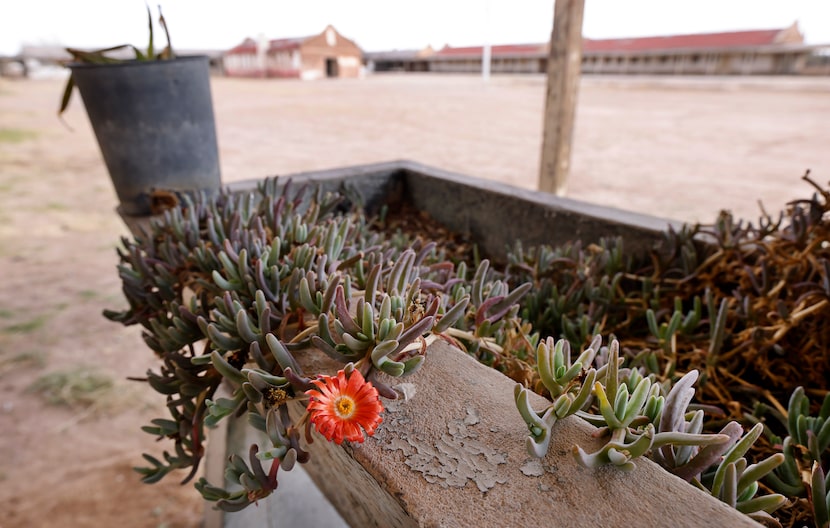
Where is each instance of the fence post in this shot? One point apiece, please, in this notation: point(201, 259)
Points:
point(564, 63)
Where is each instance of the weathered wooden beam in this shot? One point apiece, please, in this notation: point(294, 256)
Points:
point(564, 63)
point(453, 454)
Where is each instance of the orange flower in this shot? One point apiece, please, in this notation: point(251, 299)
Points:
point(339, 407)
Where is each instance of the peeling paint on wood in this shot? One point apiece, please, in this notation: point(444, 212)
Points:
point(457, 457)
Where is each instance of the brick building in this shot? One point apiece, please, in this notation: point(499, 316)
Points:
point(328, 54)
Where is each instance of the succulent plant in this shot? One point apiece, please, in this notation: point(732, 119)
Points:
point(805, 452)
point(820, 495)
point(637, 419)
point(735, 481)
point(743, 303)
point(568, 383)
point(237, 290)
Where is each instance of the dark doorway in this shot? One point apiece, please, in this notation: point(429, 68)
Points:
point(331, 68)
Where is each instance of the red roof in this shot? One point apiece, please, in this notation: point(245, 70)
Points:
point(729, 39)
point(249, 45)
point(286, 43)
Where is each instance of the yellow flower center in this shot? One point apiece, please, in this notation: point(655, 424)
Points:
point(344, 407)
point(275, 397)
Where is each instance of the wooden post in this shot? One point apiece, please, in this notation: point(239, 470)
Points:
point(564, 63)
point(486, 51)
point(485, 63)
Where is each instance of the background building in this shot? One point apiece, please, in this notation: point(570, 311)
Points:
point(772, 51)
point(328, 54)
point(767, 52)
point(398, 60)
point(509, 58)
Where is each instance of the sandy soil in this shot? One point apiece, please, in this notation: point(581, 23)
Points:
point(679, 148)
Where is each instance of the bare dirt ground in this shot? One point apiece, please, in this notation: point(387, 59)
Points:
point(678, 148)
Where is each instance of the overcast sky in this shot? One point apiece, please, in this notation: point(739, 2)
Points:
point(388, 24)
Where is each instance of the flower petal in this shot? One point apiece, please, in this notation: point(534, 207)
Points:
point(330, 423)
